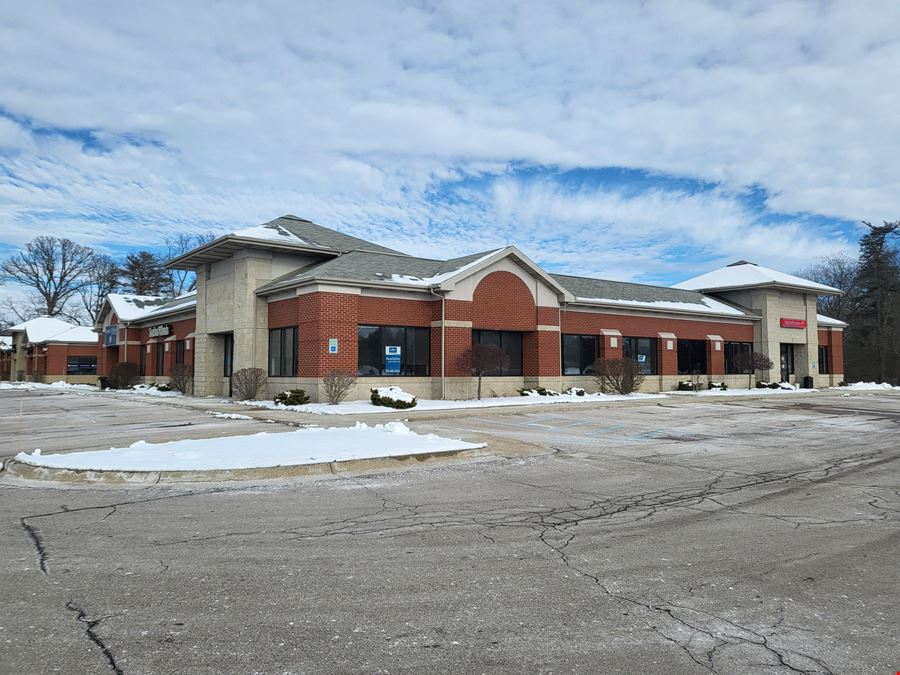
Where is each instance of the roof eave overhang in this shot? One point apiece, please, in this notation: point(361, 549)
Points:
point(665, 310)
point(223, 247)
point(289, 285)
point(774, 284)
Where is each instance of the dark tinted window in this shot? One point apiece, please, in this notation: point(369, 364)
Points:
point(579, 353)
point(823, 360)
point(81, 365)
point(642, 350)
point(283, 352)
point(508, 341)
point(733, 352)
point(413, 344)
point(691, 357)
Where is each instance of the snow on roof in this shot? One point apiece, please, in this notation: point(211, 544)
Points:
point(438, 278)
point(745, 274)
point(73, 334)
point(51, 329)
point(182, 302)
point(273, 233)
point(42, 328)
point(134, 307)
point(823, 320)
point(705, 306)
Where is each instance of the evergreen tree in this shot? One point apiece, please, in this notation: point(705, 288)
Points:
point(143, 274)
point(877, 316)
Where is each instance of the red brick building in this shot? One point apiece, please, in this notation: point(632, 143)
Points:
point(155, 333)
point(48, 349)
point(301, 300)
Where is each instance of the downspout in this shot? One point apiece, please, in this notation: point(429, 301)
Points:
point(125, 355)
point(443, 340)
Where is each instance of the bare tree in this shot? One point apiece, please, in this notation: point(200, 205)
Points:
point(102, 279)
point(752, 362)
point(246, 383)
point(183, 281)
point(840, 272)
point(622, 376)
point(337, 384)
point(483, 360)
point(53, 268)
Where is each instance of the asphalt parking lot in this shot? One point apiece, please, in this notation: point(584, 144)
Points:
point(741, 536)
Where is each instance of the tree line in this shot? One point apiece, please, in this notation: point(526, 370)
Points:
point(69, 281)
point(870, 304)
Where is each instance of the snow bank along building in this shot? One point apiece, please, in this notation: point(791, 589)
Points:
point(300, 300)
point(47, 349)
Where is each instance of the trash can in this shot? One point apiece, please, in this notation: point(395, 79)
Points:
point(807, 382)
point(104, 383)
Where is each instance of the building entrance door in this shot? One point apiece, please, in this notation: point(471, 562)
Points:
point(787, 362)
point(228, 358)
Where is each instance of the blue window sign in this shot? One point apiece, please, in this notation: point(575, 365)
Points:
point(392, 360)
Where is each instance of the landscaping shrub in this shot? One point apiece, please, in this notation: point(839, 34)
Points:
point(247, 383)
point(393, 397)
point(181, 377)
point(718, 385)
point(124, 375)
point(621, 376)
point(336, 385)
point(687, 385)
point(292, 397)
point(574, 391)
point(539, 391)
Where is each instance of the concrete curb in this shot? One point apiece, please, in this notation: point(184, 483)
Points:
point(20, 470)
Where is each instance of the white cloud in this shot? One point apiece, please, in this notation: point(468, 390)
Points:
point(353, 113)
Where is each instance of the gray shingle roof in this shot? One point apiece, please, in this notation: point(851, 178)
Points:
point(585, 287)
point(325, 237)
point(364, 266)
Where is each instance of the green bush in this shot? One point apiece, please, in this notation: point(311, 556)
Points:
point(292, 397)
point(389, 402)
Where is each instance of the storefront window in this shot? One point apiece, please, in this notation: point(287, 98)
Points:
point(81, 365)
point(737, 358)
point(283, 352)
point(823, 360)
point(508, 341)
point(692, 357)
point(394, 351)
point(787, 362)
point(579, 353)
point(642, 350)
point(160, 356)
point(179, 352)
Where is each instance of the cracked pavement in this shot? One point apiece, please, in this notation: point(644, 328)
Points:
point(751, 536)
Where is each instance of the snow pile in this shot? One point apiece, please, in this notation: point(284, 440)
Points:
point(395, 393)
point(53, 385)
point(765, 391)
point(366, 407)
point(305, 446)
point(146, 390)
point(228, 416)
point(868, 386)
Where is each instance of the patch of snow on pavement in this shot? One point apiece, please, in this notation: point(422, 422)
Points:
point(53, 385)
point(305, 446)
point(868, 386)
point(365, 407)
point(228, 416)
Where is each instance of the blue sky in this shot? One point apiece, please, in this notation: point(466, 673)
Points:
point(642, 141)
